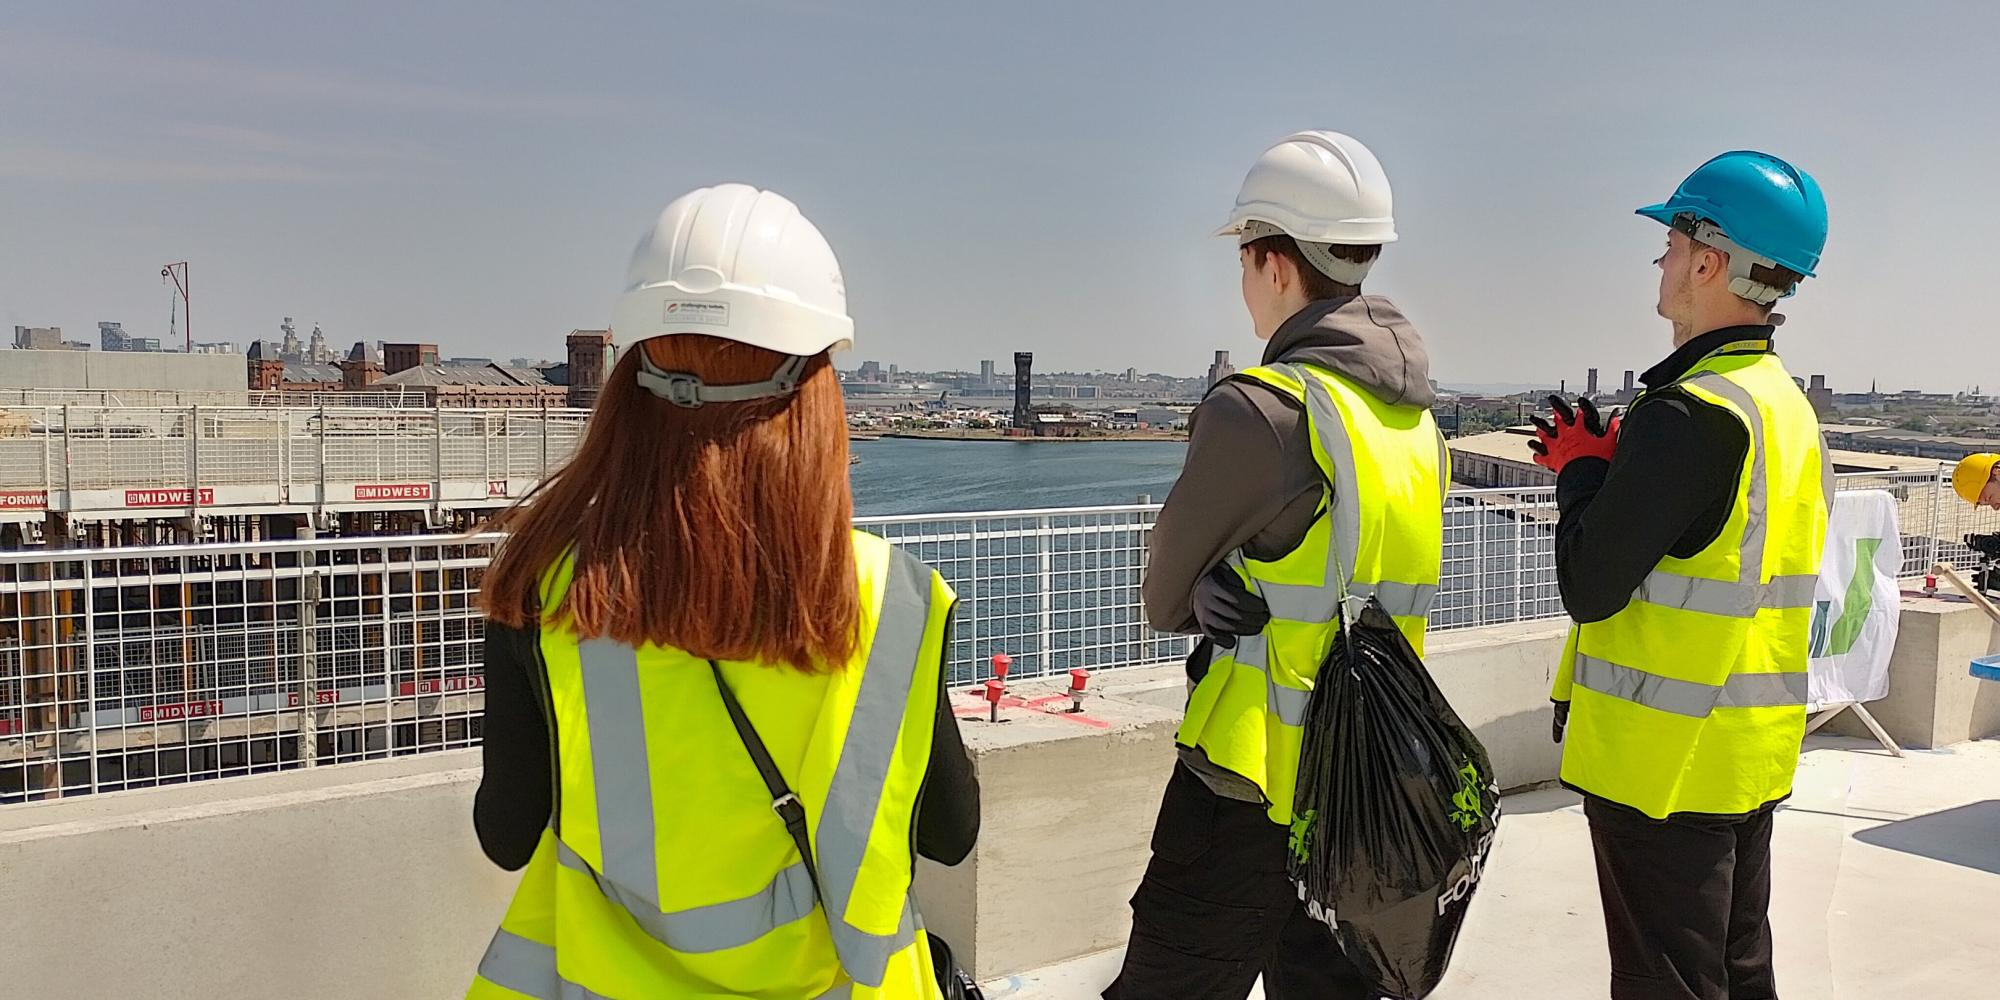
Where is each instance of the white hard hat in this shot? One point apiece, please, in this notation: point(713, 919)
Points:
point(734, 262)
point(1317, 187)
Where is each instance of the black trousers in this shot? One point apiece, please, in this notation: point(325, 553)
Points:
point(1216, 910)
point(1686, 903)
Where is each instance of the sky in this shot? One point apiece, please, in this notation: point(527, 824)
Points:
point(1010, 176)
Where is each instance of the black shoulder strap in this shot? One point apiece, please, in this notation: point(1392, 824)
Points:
point(783, 802)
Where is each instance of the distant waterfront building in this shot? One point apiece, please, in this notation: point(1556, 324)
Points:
point(870, 371)
point(1220, 370)
point(1631, 390)
point(111, 336)
point(317, 350)
point(986, 373)
point(1590, 387)
point(211, 347)
point(38, 338)
point(362, 369)
point(1820, 396)
point(1131, 376)
point(1024, 383)
point(403, 357)
point(590, 359)
point(1072, 392)
point(290, 350)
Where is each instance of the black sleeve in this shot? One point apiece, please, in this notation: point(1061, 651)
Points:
point(514, 800)
point(948, 808)
point(1667, 491)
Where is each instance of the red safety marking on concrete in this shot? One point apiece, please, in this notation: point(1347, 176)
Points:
point(983, 709)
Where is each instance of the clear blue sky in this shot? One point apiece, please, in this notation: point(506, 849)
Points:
point(1019, 175)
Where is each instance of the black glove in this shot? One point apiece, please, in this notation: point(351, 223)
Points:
point(1225, 609)
point(1562, 721)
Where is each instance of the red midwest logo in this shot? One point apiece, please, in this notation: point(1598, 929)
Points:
point(393, 491)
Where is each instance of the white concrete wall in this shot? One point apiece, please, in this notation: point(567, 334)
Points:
point(359, 880)
point(118, 370)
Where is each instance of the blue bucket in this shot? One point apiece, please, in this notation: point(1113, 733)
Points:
point(1987, 668)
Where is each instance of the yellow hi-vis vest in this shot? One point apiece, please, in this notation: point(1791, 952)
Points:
point(666, 872)
point(1692, 698)
point(1382, 536)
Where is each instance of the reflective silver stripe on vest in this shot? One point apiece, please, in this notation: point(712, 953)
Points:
point(855, 793)
point(617, 720)
point(625, 801)
point(1726, 597)
point(1287, 703)
point(1689, 698)
point(1403, 600)
point(717, 926)
point(529, 968)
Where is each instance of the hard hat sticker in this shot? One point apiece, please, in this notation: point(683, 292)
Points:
point(703, 313)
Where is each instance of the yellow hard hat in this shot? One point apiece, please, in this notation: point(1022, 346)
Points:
point(1972, 475)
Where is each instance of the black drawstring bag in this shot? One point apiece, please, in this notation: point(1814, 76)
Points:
point(1395, 809)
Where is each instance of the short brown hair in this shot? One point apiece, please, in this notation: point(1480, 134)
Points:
point(722, 530)
point(1316, 282)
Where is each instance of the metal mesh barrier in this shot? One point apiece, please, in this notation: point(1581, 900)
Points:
point(135, 666)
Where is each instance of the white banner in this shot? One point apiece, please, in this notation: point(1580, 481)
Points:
point(1858, 603)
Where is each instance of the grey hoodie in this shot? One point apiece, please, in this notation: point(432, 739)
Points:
point(1250, 481)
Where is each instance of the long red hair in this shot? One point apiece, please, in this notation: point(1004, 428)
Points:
point(721, 530)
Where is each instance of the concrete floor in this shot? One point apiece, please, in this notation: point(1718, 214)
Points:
point(1887, 888)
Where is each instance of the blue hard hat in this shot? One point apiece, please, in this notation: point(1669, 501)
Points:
point(1762, 203)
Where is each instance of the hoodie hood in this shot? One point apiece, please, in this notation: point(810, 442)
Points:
point(1365, 338)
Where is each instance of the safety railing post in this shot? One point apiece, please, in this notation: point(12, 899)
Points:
point(1047, 597)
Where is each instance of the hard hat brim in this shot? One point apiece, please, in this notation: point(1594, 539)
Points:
point(1660, 213)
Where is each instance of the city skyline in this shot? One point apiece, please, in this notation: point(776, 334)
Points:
point(1037, 176)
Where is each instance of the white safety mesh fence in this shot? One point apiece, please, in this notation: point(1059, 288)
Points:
point(136, 666)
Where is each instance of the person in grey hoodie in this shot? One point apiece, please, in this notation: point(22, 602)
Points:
point(1216, 909)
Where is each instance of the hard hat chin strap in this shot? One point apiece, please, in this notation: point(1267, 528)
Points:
point(688, 390)
point(1741, 261)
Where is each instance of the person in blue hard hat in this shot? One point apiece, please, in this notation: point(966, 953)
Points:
point(1687, 548)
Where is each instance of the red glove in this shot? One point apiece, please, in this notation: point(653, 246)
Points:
point(1576, 433)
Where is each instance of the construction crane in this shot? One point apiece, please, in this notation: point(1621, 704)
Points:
point(178, 271)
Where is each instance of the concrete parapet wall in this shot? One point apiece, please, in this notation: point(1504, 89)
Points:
point(358, 880)
point(1934, 700)
point(1068, 805)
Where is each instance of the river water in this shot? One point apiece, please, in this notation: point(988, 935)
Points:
point(900, 476)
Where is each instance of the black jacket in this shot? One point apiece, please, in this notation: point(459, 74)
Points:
point(1667, 491)
point(514, 801)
